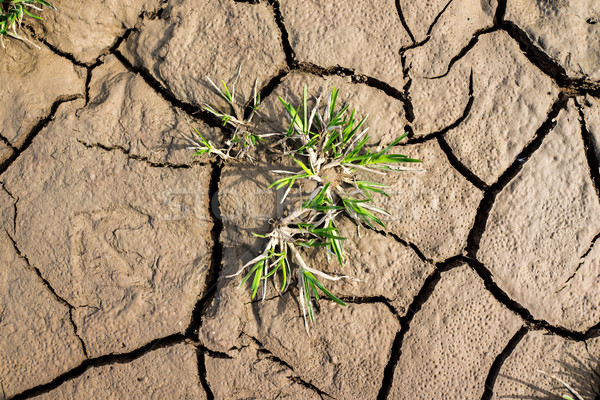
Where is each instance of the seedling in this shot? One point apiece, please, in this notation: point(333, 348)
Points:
point(567, 386)
point(244, 138)
point(329, 146)
point(12, 13)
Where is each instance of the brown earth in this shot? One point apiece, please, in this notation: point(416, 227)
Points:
point(116, 243)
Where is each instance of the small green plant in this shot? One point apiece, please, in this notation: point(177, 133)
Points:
point(335, 171)
point(12, 13)
point(567, 386)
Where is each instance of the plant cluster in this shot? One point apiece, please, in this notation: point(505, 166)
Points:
point(12, 13)
point(336, 168)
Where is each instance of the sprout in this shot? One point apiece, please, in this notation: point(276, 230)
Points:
point(329, 146)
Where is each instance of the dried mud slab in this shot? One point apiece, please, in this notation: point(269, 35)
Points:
point(434, 209)
point(540, 230)
point(88, 31)
point(348, 347)
point(382, 268)
point(386, 116)
point(455, 25)
point(567, 31)
point(33, 89)
point(437, 104)
point(37, 339)
point(126, 113)
point(346, 352)
point(127, 244)
point(245, 205)
point(253, 373)
point(511, 101)
point(453, 340)
point(193, 41)
point(361, 37)
point(166, 373)
point(576, 363)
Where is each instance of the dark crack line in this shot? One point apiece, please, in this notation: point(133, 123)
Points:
point(403, 242)
point(136, 157)
point(37, 128)
point(590, 151)
point(290, 55)
point(492, 375)
point(582, 258)
point(403, 21)
point(212, 276)
point(49, 287)
point(266, 90)
point(453, 125)
point(429, 30)
point(7, 143)
point(167, 95)
point(375, 83)
point(545, 63)
point(465, 50)
point(296, 379)
point(489, 196)
point(370, 300)
point(202, 375)
point(109, 359)
point(418, 301)
point(500, 12)
point(460, 167)
point(15, 209)
point(502, 297)
point(409, 112)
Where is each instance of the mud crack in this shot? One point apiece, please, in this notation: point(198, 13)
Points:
point(290, 55)
point(590, 150)
point(429, 30)
point(591, 246)
point(403, 242)
point(548, 66)
point(492, 375)
point(296, 379)
point(56, 296)
point(37, 128)
point(123, 358)
point(465, 50)
point(533, 323)
point(460, 167)
point(453, 125)
point(418, 301)
point(136, 157)
point(489, 196)
point(216, 261)
point(189, 108)
point(403, 21)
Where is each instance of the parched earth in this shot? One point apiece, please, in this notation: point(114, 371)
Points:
point(116, 243)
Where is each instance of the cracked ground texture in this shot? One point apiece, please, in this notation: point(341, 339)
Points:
point(116, 244)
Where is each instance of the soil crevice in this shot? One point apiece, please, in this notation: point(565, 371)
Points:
point(488, 393)
point(49, 287)
point(489, 196)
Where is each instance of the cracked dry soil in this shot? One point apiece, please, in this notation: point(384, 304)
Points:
point(116, 243)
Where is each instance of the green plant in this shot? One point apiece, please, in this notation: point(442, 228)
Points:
point(12, 13)
point(567, 386)
point(336, 167)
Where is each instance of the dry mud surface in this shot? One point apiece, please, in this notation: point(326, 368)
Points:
point(115, 243)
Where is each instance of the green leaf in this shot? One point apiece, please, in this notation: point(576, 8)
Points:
point(314, 280)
